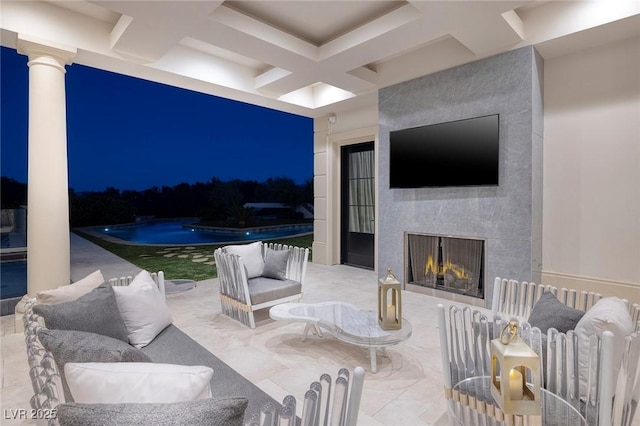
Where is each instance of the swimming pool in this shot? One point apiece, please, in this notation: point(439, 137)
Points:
point(13, 279)
point(173, 232)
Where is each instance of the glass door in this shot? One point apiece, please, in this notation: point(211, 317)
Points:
point(357, 205)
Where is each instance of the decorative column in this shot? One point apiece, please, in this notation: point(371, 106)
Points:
point(48, 246)
point(322, 205)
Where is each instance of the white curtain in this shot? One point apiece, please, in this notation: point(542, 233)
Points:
point(361, 192)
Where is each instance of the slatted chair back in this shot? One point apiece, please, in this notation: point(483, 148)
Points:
point(516, 299)
point(562, 367)
point(627, 385)
point(611, 395)
point(635, 315)
point(158, 278)
point(297, 263)
point(327, 403)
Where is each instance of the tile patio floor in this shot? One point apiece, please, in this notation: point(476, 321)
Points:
point(407, 390)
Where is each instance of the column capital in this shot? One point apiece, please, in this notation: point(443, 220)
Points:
point(46, 52)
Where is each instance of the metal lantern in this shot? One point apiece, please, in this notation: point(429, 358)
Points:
point(389, 302)
point(514, 357)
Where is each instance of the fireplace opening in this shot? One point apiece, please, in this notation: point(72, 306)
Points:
point(450, 264)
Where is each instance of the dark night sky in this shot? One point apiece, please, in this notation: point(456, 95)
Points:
point(129, 133)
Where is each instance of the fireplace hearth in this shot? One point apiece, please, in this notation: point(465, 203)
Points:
point(444, 263)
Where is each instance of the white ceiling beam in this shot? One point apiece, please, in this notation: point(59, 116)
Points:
point(512, 18)
point(366, 74)
point(270, 76)
point(557, 19)
point(148, 30)
point(262, 31)
point(377, 28)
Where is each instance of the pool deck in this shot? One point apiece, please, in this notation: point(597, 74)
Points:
point(86, 257)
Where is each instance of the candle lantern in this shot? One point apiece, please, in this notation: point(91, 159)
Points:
point(514, 357)
point(389, 302)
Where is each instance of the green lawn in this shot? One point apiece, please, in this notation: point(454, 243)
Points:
point(177, 261)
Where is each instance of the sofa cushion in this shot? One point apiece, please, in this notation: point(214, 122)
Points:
point(608, 314)
point(263, 289)
point(549, 312)
point(173, 346)
point(251, 255)
point(204, 412)
point(69, 292)
point(79, 346)
point(143, 309)
point(137, 382)
point(275, 264)
point(95, 312)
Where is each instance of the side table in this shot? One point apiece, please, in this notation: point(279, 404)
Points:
point(472, 404)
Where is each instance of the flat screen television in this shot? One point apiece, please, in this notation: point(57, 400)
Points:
point(457, 153)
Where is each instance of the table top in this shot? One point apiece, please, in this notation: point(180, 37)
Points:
point(344, 321)
point(555, 410)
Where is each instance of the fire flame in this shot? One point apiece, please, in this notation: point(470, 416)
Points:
point(431, 267)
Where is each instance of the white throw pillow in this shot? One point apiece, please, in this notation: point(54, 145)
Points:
point(251, 255)
point(70, 292)
point(143, 309)
point(134, 382)
point(608, 314)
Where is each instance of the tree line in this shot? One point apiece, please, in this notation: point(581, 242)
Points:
point(215, 200)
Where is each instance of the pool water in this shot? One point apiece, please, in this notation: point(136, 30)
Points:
point(172, 232)
point(13, 279)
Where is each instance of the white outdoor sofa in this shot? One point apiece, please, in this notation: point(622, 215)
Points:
point(337, 398)
point(241, 294)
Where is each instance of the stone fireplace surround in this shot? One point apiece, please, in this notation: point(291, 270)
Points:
point(509, 216)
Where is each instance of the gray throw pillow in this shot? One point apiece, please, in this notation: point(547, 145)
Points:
point(95, 312)
point(80, 346)
point(275, 264)
point(549, 312)
point(202, 412)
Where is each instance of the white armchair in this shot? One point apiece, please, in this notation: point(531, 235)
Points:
point(612, 393)
point(241, 295)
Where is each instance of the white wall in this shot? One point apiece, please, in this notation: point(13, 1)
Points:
point(355, 126)
point(591, 191)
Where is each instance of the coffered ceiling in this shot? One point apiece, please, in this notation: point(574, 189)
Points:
point(308, 57)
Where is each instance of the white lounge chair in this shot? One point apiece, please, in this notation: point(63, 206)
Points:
point(241, 296)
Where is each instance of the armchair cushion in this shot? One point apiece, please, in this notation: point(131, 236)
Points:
point(549, 312)
point(275, 264)
point(95, 312)
point(608, 314)
point(204, 412)
point(251, 255)
point(266, 289)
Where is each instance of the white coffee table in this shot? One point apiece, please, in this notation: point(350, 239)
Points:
point(345, 322)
